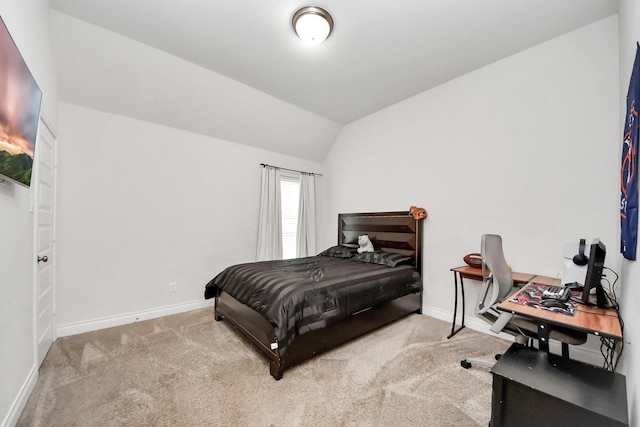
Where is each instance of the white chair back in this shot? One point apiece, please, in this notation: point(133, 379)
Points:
point(498, 280)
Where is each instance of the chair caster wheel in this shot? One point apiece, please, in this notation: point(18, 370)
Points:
point(498, 356)
point(465, 364)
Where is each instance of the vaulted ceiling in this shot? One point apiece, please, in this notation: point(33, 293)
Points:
point(379, 53)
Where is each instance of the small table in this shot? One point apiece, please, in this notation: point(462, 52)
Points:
point(473, 273)
point(593, 320)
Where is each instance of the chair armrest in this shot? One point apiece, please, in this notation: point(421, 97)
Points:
point(501, 322)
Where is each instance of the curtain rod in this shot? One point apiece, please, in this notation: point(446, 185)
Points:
point(264, 165)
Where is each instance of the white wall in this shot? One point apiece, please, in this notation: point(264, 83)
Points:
point(141, 205)
point(630, 296)
point(527, 147)
point(28, 23)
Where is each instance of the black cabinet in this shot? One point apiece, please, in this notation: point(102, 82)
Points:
point(535, 388)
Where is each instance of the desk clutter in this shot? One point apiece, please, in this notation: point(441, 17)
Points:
point(539, 295)
point(532, 386)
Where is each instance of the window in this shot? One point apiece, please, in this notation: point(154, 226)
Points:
point(289, 196)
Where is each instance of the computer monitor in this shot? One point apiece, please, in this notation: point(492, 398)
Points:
point(593, 279)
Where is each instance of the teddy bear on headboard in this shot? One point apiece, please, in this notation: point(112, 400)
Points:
point(365, 244)
point(418, 213)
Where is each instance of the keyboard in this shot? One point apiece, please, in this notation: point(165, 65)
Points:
point(557, 292)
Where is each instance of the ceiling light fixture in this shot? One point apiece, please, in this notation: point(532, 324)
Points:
point(312, 24)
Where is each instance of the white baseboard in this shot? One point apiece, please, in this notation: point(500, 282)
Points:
point(469, 322)
point(583, 353)
point(21, 400)
point(124, 319)
point(588, 352)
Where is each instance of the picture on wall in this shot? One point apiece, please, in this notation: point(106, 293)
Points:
point(20, 99)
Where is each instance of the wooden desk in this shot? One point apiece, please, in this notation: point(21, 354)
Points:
point(466, 272)
point(597, 321)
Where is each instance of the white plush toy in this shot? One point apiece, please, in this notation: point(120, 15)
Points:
point(365, 244)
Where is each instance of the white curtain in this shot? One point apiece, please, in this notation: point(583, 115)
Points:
point(270, 220)
point(306, 235)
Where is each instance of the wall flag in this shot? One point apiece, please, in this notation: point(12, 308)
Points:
point(628, 171)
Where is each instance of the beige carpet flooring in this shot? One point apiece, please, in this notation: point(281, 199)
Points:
point(189, 370)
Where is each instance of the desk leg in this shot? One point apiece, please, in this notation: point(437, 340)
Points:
point(543, 340)
point(543, 336)
point(455, 306)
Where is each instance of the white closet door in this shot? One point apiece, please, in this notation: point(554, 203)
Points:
point(44, 241)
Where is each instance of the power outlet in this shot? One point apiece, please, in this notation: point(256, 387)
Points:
point(172, 287)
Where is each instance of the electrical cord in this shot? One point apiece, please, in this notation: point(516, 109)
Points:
point(608, 345)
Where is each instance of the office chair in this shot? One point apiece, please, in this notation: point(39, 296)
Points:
point(497, 286)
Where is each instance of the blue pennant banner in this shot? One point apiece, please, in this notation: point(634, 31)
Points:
point(628, 172)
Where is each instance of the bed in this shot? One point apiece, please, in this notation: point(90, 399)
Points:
point(291, 310)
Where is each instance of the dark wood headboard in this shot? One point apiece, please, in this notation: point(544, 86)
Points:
point(396, 232)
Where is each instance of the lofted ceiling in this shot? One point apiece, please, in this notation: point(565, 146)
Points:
point(379, 53)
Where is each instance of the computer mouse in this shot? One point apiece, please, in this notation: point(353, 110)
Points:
point(553, 303)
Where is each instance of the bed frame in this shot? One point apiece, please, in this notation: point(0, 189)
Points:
point(395, 232)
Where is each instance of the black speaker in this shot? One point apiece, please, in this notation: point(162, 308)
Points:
point(580, 258)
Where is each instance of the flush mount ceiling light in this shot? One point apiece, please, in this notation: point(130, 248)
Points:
point(312, 24)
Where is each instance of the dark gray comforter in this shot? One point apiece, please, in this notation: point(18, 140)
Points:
point(304, 294)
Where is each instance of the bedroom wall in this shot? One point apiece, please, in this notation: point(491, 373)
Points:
point(28, 23)
point(142, 205)
point(629, 37)
point(526, 147)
